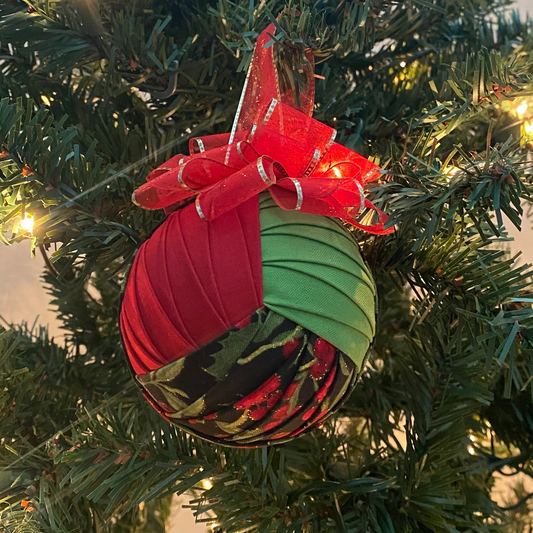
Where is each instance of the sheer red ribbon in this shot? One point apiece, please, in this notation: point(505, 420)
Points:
point(274, 146)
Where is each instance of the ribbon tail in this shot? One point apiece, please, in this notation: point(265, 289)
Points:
point(370, 212)
point(171, 164)
point(161, 192)
point(332, 198)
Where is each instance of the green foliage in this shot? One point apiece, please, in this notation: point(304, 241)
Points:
point(96, 94)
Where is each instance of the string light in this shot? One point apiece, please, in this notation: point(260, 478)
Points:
point(449, 172)
point(452, 171)
point(46, 100)
point(403, 64)
point(26, 223)
point(214, 526)
point(522, 108)
point(471, 450)
point(207, 484)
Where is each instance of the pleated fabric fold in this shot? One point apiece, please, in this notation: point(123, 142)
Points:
point(313, 274)
point(190, 282)
point(264, 383)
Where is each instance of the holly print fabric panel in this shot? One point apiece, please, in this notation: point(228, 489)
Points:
point(265, 380)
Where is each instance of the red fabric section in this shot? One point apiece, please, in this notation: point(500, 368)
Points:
point(190, 282)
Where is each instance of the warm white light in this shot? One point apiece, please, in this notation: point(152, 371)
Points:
point(529, 127)
point(45, 99)
point(403, 64)
point(214, 526)
point(522, 108)
point(450, 172)
point(472, 438)
point(471, 450)
point(370, 67)
point(27, 222)
point(206, 483)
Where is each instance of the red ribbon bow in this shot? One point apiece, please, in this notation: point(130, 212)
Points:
point(274, 145)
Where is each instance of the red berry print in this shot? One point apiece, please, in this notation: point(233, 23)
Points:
point(259, 413)
point(273, 399)
point(289, 347)
point(260, 394)
point(322, 392)
point(282, 412)
point(325, 355)
point(291, 389)
point(323, 413)
point(271, 425)
point(309, 414)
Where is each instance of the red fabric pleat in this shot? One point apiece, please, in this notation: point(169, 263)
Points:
point(190, 282)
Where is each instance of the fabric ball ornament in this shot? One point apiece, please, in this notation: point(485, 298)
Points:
point(249, 329)
point(247, 314)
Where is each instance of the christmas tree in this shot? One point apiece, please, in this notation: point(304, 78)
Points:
point(94, 95)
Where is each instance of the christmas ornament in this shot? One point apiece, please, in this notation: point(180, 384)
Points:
point(248, 313)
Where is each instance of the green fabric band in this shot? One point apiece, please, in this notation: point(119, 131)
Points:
point(314, 274)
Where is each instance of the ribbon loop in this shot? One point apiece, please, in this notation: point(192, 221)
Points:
point(272, 138)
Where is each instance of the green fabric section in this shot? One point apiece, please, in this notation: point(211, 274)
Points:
point(314, 274)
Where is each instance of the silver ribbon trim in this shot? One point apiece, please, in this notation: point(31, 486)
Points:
point(201, 145)
point(239, 151)
point(271, 108)
point(262, 172)
point(252, 132)
point(300, 194)
point(361, 195)
point(133, 199)
point(318, 155)
point(332, 140)
point(180, 179)
point(241, 101)
point(199, 209)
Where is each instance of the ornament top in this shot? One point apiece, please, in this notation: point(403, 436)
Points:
point(274, 145)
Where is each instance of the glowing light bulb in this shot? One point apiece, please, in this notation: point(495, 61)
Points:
point(207, 484)
point(403, 64)
point(471, 450)
point(529, 127)
point(472, 438)
point(450, 172)
point(46, 100)
point(522, 108)
point(27, 222)
point(214, 526)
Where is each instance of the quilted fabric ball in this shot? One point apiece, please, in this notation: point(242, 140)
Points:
point(249, 329)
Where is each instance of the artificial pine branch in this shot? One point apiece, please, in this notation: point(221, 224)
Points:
point(453, 354)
